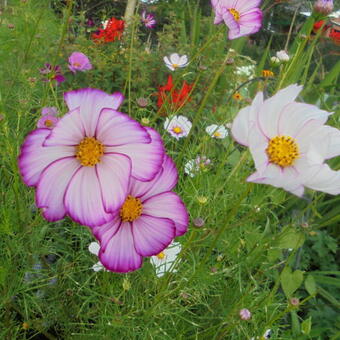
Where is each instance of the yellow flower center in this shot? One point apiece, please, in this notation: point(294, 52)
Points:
point(177, 129)
point(237, 96)
point(76, 65)
point(282, 150)
point(175, 65)
point(161, 255)
point(235, 13)
point(48, 123)
point(217, 134)
point(89, 151)
point(131, 209)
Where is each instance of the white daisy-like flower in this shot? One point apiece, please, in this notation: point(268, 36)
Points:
point(245, 71)
point(217, 131)
point(94, 248)
point(282, 56)
point(175, 61)
point(193, 166)
point(163, 262)
point(178, 126)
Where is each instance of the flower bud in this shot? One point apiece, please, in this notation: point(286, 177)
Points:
point(324, 7)
point(282, 55)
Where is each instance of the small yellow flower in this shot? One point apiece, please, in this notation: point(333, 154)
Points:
point(313, 233)
point(126, 284)
point(202, 199)
point(237, 96)
point(25, 326)
point(145, 121)
point(267, 73)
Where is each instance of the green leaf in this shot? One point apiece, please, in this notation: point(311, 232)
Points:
point(310, 285)
point(290, 281)
point(295, 323)
point(306, 326)
point(290, 238)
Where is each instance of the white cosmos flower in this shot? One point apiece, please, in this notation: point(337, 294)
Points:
point(94, 249)
point(163, 262)
point(217, 131)
point(175, 61)
point(289, 143)
point(282, 56)
point(178, 126)
point(193, 166)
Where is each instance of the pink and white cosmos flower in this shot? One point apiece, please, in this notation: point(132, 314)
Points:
point(289, 143)
point(243, 17)
point(47, 121)
point(82, 167)
point(150, 218)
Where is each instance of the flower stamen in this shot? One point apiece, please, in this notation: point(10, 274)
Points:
point(89, 151)
point(131, 209)
point(161, 255)
point(177, 130)
point(282, 151)
point(235, 13)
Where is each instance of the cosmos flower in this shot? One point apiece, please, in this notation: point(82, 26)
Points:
point(194, 166)
point(47, 121)
point(282, 55)
point(243, 17)
point(289, 143)
point(178, 126)
point(49, 111)
point(167, 94)
point(148, 19)
point(216, 131)
point(79, 62)
point(163, 262)
point(52, 73)
point(175, 61)
point(150, 218)
point(94, 248)
point(82, 167)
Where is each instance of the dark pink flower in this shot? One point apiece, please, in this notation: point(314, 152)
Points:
point(83, 166)
point(79, 62)
point(243, 17)
point(150, 218)
point(52, 73)
point(148, 19)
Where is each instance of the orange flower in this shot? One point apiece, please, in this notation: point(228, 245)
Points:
point(267, 73)
point(237, 96)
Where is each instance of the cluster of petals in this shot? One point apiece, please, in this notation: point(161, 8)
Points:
point(148, 222)
point(289, 143)
point(216, 131)
point(168, 95)
point(148, 20)
point(79, 62)
point(243, 17)
point(175, 61)
point(51, 73)
point(113, 30)
point(178, 126)
point(83, 166)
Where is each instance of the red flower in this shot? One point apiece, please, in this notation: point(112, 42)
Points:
point(113, 30)
point(175, 98)
point(335, 36)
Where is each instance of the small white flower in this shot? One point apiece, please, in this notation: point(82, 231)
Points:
point(175, 61)
point(275, 60)
point(217, 131)
point(193, 166)
point(94, 249)
point(246, 71)
point(104, 24)
point(178, 126)
point(267, 334)
point(282, 56)
point(163, 262)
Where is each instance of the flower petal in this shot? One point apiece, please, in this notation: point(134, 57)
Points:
point(105, 232)
point(245, 6)
point(165, 180)
point(234, 27)
point(83, 198)
point(94, 248)
point(146, 159)
point(152, 234)
point(250, 22)
point(168, 205)
point(114, 175)
point(68, 131)
point(119, 254)
point(91, 102)
point(118, 99)
point(52, 187)
point(174, 58)
point(34, 157)
point(116, 128)
point(270, 112)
